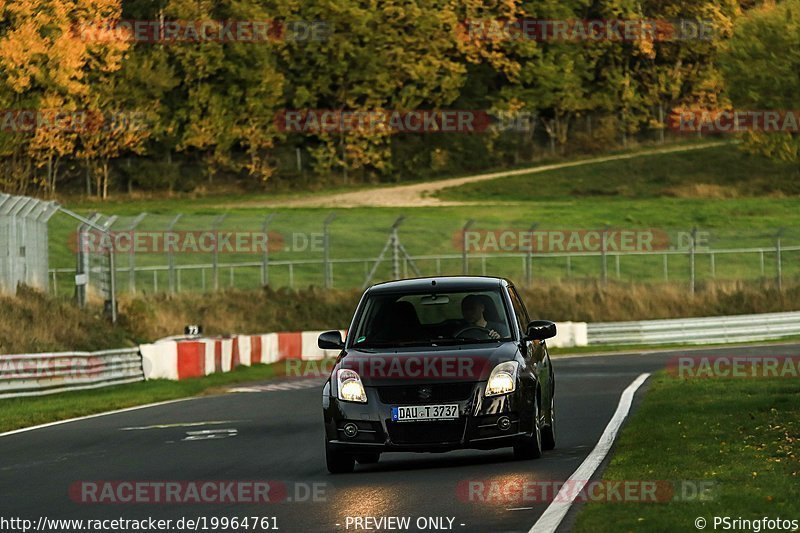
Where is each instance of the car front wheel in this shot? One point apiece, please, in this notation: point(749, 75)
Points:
point(549, 430)
point(530, 447)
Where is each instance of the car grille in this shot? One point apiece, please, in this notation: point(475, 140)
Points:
point(442, 432)
point(421, 394)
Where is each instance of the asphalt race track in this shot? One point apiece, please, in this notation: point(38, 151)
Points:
point(277, 435)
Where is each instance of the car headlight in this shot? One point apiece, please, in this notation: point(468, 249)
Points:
point(349, 386)
point(503, 379)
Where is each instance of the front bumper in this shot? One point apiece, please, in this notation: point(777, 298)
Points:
point(476, 427)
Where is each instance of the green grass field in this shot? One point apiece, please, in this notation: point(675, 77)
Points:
point(737, 200)
point(736, 437)
point(721, 172)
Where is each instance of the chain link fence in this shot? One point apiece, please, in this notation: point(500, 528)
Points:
point(24, 242)
point(158, 253)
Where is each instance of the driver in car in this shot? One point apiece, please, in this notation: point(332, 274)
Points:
point(473, 310)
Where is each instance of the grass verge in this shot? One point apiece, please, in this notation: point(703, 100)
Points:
point(720, 172)
point(741, 435)
point(17, 413)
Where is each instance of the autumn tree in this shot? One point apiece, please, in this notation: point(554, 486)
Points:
point(45, 56)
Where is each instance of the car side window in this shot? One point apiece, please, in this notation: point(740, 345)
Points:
point(519, 309)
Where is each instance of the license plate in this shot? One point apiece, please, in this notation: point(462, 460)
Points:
point(424, 412)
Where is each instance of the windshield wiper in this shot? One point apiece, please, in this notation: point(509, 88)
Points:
point(455, 340)
point(389, 344)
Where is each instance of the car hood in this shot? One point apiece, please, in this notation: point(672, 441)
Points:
point(405, 366)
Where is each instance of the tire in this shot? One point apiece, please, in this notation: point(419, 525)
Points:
point(338, 462)
point(368, 458)
point(530, 447)
point(549, 430)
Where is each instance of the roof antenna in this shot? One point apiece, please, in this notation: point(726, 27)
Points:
point(433, 282)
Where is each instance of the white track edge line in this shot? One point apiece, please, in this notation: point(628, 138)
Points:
point(551, 518)
point(95, 415)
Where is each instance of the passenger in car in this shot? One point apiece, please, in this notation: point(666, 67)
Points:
point(398, 322)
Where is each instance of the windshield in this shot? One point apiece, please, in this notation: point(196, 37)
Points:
point(432, 319)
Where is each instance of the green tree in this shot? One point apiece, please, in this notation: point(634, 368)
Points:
point(761, 66)
point(228, 93)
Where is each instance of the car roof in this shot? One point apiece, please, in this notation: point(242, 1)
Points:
point(440, 283)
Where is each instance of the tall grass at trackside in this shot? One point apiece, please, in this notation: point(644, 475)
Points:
point(33, 322)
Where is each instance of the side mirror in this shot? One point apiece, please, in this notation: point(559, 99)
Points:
point(331, 340)
point(539, 330)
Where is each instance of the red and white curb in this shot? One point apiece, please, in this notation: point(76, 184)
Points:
point(189, 358)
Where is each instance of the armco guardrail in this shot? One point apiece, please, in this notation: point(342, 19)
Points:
point(705, 330)
point(48, 373)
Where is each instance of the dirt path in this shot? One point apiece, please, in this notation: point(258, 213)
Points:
point(421, 194)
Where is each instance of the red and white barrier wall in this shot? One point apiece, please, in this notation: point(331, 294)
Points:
point(569, 334)
point(181, 359)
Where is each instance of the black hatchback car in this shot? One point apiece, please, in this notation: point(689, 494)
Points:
point(436, 364)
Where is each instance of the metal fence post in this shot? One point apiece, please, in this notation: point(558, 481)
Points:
point(603, 256)
point(171, 254)
point(265, 255)
point(113, 282)
point(132, 253)
point(112, 271)
point(392, 243)
point(529, 257)
point(464, 253)
point(81, 270)
point(215, 253)
point(395, 254)
point(326, 251)
point(82, 256)
point(691, 259)
point(778, 259)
